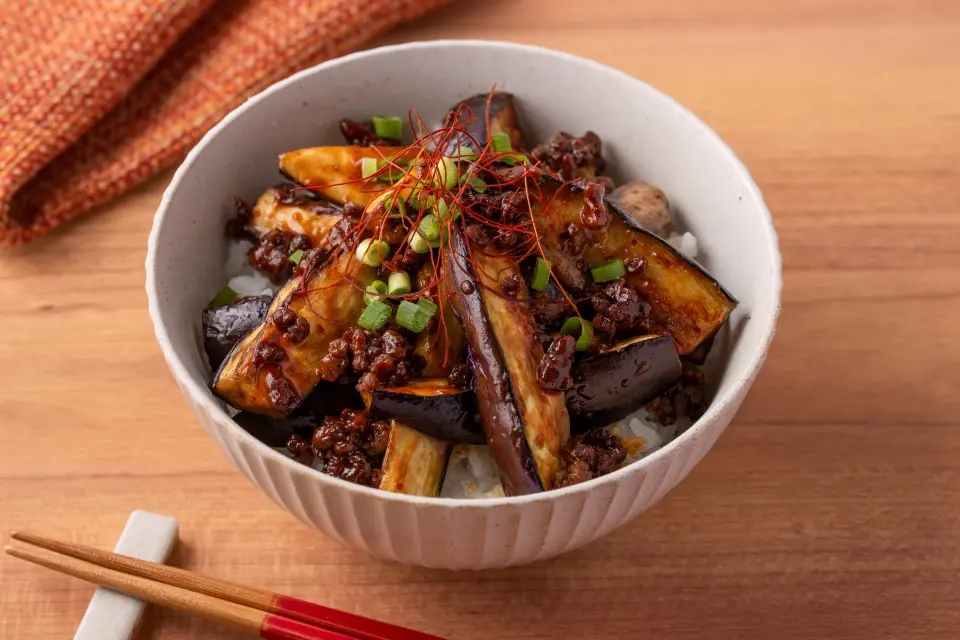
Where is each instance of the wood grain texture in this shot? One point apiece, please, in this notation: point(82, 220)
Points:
point(829, 509)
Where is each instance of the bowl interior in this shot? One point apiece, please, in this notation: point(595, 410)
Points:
point(646, 135)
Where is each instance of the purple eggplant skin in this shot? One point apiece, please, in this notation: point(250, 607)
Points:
point(432, 407)
point(224, 326)
point(503, 118)
point(502, 425)
point(617, 382)
point(326, 399)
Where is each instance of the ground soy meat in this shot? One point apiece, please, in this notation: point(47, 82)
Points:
point(571, 157)
point(459, 377)
point(237, 225)
point(619, 309)
point(382, 358)
point(362, 134)
point(686, 399)
point(270, 255)
point(596, 454)
point(349, 446)
point(553, 373)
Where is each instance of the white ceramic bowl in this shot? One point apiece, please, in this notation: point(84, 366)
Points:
point(646, 135)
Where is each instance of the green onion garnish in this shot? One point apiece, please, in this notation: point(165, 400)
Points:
point(375, 315)
point(296, 256)
point(398, 283)
point(608, 271)
point(447, 173)
point(411, 316)
point(580, 329)
point(464, 153)
point(428, 306)
point(373, 252)
point(418, 243)
point(541, 275)
point(224, 296)
point(376, 291)
point(514, 158)
point(443, 210)
point(388, 127)
point(501, 141)
point(430, 227)
point(368, 167)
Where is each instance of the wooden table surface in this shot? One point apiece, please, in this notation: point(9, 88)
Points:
point(829, 509)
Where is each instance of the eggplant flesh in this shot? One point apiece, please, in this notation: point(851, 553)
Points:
point(329, 298)
point(294, 214)
point(335, 173)
point(685, 301)
point(524, 425)
point(414, 463)
point(225, 326)
point(440, 348)
point(503, 119)
point(432, 407)
point(617, 382)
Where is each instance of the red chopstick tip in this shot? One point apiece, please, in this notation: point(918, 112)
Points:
point(276, 627)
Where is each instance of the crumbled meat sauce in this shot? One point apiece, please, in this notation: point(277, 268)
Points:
point(553, 374)
point(350, 446)
point(362, 134)
point(282, 396)
point(459, 377)
point(570, 157)
point(619, 309)
point(293, 327)
point(686, 399)
point(595, 454)
point(594, 214)
point(382, 358)
point(237, 225)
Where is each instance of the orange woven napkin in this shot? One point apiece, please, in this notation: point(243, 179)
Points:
point(97, 96)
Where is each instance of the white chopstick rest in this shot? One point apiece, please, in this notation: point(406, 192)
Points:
point(112, 615)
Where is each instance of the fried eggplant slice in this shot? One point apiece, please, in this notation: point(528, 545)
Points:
point(685, 301)
point(617, 382)
point(225, 326)
point(433, 407)
point(524, 425)
point(275, 366)
point(503, 118)
point(293, 213)
point(335, 173)
point(414, 463)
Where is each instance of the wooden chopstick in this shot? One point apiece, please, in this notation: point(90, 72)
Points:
point(349, 625)
point(264, 625)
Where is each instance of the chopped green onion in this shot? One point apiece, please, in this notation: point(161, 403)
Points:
point(368, 167)
point(224, 296)
point(418, 243)
point(375, 315)
point(580, 329)
point(398, 283)
point(464, 153)
point(296, 256)
point(541, 275)
point(608, 271)
point(476, 183)
point(411, 316)
point(430, 227)
point(501, 141)
point(443, 210)
point(514, 158)
point(373, 252)
point(376, 291)
point(391, 201)
point(428, 306)
point(447, 173)
point(388, 127)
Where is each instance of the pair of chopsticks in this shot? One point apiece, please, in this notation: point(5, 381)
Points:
point(259, 612)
